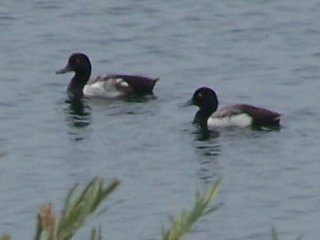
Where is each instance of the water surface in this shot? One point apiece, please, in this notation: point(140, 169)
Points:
point(261, 52)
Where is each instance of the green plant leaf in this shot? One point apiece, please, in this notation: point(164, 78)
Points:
point(183, 222)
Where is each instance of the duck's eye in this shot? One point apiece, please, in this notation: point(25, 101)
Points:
point(77, 60)
point(200, 95)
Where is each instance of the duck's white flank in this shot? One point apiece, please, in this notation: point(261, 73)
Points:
point(238, 120)
point(103, 88)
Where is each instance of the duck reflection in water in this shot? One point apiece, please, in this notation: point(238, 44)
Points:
point(204, 134)
point(208, 148)
point(78, 112)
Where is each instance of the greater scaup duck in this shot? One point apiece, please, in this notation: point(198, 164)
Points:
point(241, 115)
point(111, 86)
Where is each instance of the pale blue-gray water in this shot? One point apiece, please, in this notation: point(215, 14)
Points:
point(260, 52)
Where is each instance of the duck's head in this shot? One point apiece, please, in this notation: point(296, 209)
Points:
point(205, 98)
point(78, 63)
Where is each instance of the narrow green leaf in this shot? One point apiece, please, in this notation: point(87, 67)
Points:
point(213, 209)
point(299, 238)
point(274, 234)
point(5, 237)
point(78, 206)
point(183, 222)
point(38, 228)
point(93, 234)
point(65, 211)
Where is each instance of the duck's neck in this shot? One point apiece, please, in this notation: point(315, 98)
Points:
point(77, 84)
point(201, 117)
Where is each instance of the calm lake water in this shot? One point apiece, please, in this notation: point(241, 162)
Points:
point(261, 52)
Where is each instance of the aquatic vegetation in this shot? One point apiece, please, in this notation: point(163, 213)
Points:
point(80, 204)
point(5, 237)
point(275, 235)
point(182, 224)
point(77, 208)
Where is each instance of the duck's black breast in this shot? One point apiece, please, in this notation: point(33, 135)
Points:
point(138, 84)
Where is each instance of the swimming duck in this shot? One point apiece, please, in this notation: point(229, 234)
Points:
point(111, 86)
point(240, 115)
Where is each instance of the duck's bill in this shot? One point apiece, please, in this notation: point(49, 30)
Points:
point(187, 103)
point(66, 69)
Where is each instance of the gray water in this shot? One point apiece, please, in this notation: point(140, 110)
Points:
point(260, 52)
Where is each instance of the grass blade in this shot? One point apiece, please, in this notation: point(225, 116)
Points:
point(183, 222)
